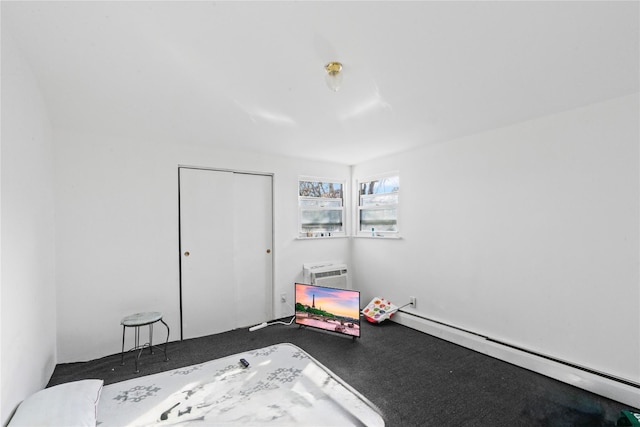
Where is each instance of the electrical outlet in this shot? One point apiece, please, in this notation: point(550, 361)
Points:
point(283, 297)
point(412, 301)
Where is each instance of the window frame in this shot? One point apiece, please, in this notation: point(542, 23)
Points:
point(359, 232)
point(306, 233)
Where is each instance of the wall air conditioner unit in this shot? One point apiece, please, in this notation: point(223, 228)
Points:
point(326, 274)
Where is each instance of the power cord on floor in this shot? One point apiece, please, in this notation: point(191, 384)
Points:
point(277, 322)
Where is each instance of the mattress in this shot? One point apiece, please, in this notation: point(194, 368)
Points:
point(282, 385)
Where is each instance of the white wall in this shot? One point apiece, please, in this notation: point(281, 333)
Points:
point(117, 227)
point(527, 234)
point(28, 286)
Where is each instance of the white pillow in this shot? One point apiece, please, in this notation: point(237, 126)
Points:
point(69, 404)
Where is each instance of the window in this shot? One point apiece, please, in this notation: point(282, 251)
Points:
point(320, 208)
point(378, 206)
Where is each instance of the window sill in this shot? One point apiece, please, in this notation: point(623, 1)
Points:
point(321, 237)
point(378, 237)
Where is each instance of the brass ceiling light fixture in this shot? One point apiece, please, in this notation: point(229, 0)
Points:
point(334, 75)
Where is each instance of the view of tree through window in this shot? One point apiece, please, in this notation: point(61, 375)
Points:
point(378, 205)
point(331, 190)
point(320, 206)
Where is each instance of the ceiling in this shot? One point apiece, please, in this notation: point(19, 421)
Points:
point(250, 75)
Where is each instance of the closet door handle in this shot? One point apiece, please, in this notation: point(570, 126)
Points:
point(187, 253)
point(268, 251)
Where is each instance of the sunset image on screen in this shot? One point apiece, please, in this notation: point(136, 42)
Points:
point(328, 308)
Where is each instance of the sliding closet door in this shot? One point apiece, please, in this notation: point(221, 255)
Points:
point(252, 249)
point(225, 244)
point(206, 236)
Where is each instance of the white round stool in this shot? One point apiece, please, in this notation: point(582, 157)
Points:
point(136, 321)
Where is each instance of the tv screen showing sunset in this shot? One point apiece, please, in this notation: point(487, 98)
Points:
point(332, 309)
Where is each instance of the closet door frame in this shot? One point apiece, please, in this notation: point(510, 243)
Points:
point(267, 251)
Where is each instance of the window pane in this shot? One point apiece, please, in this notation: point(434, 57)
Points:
point(332, 190)
point(322, 219)
point(378, 204)
point(379, 199)
point(389, 184)
point(378, 219)
point(320, 207)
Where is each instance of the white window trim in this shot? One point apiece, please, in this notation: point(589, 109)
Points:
point(343, 208)
point(356, 221)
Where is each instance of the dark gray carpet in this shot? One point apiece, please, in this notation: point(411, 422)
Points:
point(414, 379)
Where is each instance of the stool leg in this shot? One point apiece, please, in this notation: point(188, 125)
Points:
point(151, 338)
point(122, 354)
point(137, 344)
point(166, 359)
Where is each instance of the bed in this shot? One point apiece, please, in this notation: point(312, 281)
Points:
point(281, 385)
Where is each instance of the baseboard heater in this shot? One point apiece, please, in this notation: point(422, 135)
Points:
point(474, 340)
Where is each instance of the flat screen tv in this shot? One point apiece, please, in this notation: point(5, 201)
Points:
point(330, 309)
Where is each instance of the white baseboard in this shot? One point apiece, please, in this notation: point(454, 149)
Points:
point(607, 387)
